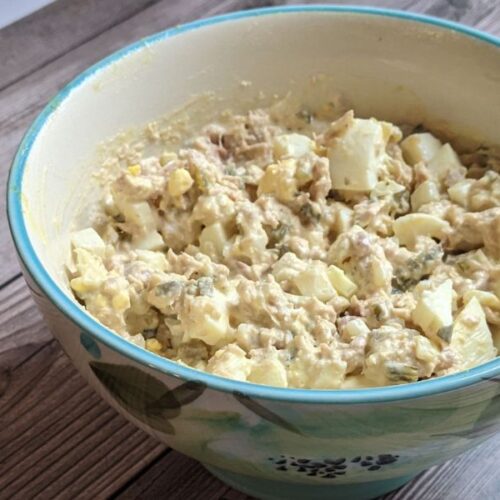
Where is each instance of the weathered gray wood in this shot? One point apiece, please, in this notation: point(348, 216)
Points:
point(473, 475)
point(176, 477)
point(57, 438)
point(231, 494)
point(56, 29)
point(22, 329)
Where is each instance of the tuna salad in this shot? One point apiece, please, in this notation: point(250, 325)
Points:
point(325, 255)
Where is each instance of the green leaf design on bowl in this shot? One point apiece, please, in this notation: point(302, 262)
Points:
point(486, 423)
point(90, 345)
point(265, 413)
point(145, 397)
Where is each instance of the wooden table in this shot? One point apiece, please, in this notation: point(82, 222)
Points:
point(57, 437)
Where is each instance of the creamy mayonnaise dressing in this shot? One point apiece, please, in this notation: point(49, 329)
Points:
point(335, 255)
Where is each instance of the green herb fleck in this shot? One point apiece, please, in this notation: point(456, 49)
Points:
point(398, 372)
point(445, 332)
point(149, 333)
point(379, 312)
point(334, 195)
point(416, 269)
point(279, 232)
point(231, 170)
point(282, 250)
point(205, 286)
point(401, 202)
point(172, 288)
point(308, 214)
point(192, 288)
point(304, 115)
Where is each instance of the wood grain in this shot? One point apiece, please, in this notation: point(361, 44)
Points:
point(473, 475)
point(176, 477)
point(18, 339)
point(31, 44)
point(58, 439)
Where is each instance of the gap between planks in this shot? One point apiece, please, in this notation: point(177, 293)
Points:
point(39, 39)
point(39, 93)
point(62, 435)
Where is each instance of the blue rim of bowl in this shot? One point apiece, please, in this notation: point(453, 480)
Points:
point(76, 314)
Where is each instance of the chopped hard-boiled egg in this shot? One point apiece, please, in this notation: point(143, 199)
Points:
point(341, 282)
point(91, 269)
point(88, 239)
point(167, 157)
point(355, 328)
point(268, 372)
point(138, 213)
point(427, 192)
point(314, 282)
point(121, 300)
point(150, 241)
point(294, 253)
point(486, 299)
point(154, 260)
point(213, 239)
point(179, 182)
point(153, 345)
point(357, 156)
point(471, 338)
point(311, 370)
point(134, 169)
point(294, 145)
point(433, 311)
point(391, 132)
point(279, 180)
point(230, 361)
point(459, 192)
point(386, 189)
point(343, 218)
point(408, 227)
point(425, 350)
point(444, 162)
point(207, 319)
point(420, 148)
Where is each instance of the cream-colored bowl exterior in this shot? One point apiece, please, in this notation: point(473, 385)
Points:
point(389, 67)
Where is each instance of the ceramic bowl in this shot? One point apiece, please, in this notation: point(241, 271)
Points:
point(268, 442)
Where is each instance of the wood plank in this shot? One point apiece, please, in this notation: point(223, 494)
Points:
point(56, 29)
point(176, 477)
point(63, 436)
point(52, 425)
point(57, 437)
point(231, 494)
point(22, 329)
point(22, 101)
point(472, 475)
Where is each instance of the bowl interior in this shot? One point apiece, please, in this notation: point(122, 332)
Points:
point(392, 68)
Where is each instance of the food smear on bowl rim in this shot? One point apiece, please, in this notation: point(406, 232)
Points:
point(295, 251)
